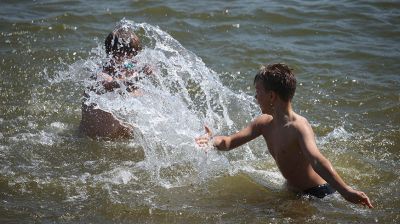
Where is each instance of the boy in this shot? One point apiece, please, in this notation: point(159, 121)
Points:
point(289, 137)
point(121, 46)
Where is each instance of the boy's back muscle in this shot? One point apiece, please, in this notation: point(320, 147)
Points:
point(283, 144)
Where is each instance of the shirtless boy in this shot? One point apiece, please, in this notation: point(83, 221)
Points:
point(121, 46)
point(289, 137)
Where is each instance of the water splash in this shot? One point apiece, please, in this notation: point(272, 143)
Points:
point(177, 100)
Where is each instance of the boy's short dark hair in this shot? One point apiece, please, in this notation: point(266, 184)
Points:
point(122, 40)
point(278, 78)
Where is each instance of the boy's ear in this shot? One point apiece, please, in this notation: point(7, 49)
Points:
point(273, 95)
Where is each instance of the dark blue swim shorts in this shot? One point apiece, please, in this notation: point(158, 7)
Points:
point(320, 191)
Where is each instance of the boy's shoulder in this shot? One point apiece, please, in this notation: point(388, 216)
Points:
point(301, 123)
point(261, 122)
point(263, 119)
point(299, 119)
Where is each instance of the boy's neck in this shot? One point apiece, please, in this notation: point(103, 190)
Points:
point(283, 112)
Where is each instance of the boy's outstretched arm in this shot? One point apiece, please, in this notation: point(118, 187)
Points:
point(226, 143)
point(325, 169)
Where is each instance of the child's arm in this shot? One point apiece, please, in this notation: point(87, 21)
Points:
point(107, 81)
point(110, 83)
point(226, 143)
point(324, 168)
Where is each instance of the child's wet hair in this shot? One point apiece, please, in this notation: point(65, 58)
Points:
point(122, 40)
point(278, 78)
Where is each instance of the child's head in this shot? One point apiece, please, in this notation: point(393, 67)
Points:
point(278, 78)
point(122, 41)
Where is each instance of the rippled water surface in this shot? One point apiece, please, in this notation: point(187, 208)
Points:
point(205, 55)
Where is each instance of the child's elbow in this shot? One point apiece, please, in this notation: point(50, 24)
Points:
point(319, 163)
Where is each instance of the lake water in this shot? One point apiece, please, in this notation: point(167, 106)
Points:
point(205, 54)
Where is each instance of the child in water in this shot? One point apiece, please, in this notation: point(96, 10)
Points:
point(289, 137)
point(121, 46)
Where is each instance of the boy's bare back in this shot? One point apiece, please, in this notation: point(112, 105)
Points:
point(283, 141)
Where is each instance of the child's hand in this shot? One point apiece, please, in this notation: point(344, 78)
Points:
point(106, 80)
point(205, 141)
point(357, 197)
point(148, 70)
point(104, 77)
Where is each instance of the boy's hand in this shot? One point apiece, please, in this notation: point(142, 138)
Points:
point(204, 140)
point(357, 197)
point(148, 70)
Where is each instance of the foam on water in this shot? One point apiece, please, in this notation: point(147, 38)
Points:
point(116, 176)
point(43, 138)
point(273, 180)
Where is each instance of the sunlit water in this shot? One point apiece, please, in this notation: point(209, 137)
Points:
point(204, 60)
